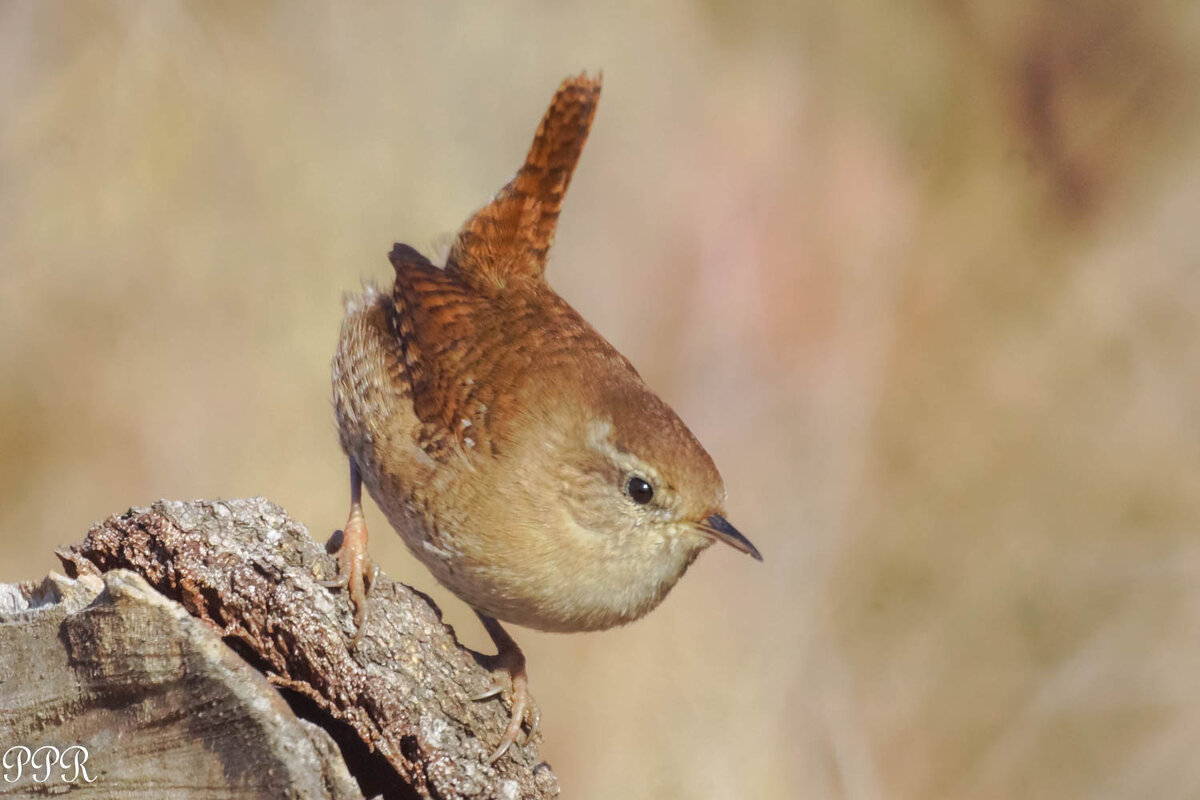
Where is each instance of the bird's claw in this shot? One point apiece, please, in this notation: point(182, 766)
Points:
point(489, 693)
point(353, 573)
point(511, 660)
point(523, 720)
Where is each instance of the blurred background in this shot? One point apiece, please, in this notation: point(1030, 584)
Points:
point(924, 278)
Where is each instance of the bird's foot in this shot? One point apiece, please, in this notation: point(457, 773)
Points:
point(511, 660)
point(525, 716)
point(356, 573)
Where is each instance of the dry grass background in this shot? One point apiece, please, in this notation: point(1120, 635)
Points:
point(924, 279)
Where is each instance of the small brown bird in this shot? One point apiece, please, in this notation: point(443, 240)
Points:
point(517, 453)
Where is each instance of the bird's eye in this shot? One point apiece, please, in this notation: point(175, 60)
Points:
point(639, 490)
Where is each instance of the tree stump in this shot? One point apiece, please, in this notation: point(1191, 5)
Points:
point(192, 651)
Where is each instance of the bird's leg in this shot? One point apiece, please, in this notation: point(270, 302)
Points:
point(510, 659)
point(352, 556)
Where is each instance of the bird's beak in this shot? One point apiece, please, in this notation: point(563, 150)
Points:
point(716, 527)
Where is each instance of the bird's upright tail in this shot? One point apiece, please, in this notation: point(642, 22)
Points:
point(507, 240)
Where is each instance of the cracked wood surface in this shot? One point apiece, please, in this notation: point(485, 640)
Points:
point(399, 705)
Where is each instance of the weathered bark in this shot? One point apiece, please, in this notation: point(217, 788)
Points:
point(171, 693)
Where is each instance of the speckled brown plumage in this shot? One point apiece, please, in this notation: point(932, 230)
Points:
point(517, 453)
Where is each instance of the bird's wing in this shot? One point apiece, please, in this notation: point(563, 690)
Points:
point(461, 363)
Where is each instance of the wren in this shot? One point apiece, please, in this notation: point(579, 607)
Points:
point(517, 453)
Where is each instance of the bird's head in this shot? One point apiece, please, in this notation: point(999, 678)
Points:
point(611, 488)
point(635, 470)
